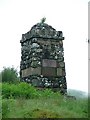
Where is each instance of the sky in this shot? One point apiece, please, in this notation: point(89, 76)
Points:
point(69, 16)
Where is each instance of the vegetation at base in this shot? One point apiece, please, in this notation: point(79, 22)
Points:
point(54, 107)
point(25, 90)
point(21, 100)
point(24, 101)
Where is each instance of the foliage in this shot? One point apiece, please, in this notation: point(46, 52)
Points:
point(9, 75)
point(24, 90)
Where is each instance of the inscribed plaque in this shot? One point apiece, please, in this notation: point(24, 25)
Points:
point(48, 71)
point(49, 63)
point(31, 71)
point(35, 71)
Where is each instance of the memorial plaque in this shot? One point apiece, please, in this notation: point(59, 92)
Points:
point(48, 71)
point(49, 63)
point(59, 72)
point(31, 71)
point(35, 71)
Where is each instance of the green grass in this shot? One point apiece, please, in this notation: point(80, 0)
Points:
point(40, 104)
point(44, 108)
point(25, 90)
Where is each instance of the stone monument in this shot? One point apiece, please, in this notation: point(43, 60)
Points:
point(42, 58)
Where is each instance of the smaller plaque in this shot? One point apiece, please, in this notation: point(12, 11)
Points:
point(48, 71)
point(35, 71)
point(49, 63)
point(31, 71)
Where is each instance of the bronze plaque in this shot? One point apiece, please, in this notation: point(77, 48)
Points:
point(48, 71)
point(49, 63)
point(59, 72)
point(31, 71)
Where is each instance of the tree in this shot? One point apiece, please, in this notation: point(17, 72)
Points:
point(10, 75)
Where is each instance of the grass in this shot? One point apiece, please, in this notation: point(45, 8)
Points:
point(44, 108)
point(39, 104)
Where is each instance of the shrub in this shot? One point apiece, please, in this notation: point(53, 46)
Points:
point(22, 89)
point(25, 90)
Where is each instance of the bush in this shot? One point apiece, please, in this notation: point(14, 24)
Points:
point(25, 90)
point(10, 75)
point(22, 89)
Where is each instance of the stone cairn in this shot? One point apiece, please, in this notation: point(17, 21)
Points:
point(42, 58)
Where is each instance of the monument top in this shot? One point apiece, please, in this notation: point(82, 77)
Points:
point(42, 30)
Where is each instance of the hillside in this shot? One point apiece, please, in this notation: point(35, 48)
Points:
point(77, 93)
point(24, 101)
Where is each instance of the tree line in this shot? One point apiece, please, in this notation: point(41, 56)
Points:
point(10, 75)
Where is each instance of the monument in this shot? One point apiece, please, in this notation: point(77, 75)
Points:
point(42, 58)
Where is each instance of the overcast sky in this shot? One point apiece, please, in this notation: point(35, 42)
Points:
point(70, 16)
